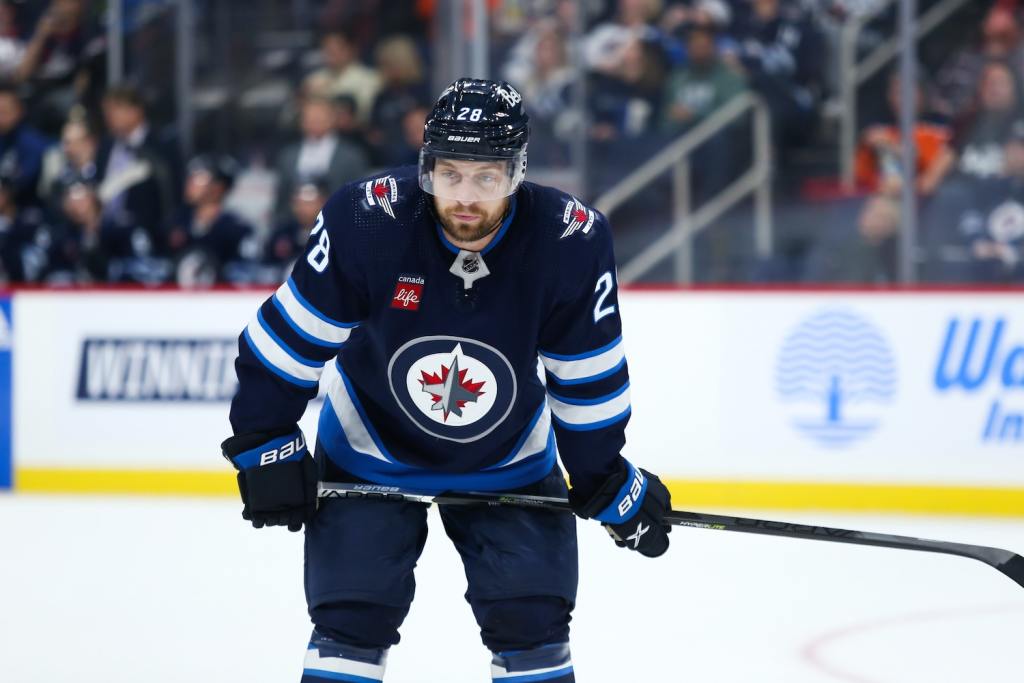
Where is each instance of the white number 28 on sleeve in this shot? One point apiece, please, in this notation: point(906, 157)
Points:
point(605, 285)
point(319, 254)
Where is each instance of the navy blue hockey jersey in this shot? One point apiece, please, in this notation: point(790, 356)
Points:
point(437, 348)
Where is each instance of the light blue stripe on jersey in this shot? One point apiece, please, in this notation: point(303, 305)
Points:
point(298, 381)
point(304, 317)
point(588, 366)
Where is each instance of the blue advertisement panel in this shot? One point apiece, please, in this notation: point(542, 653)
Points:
point(6, 337)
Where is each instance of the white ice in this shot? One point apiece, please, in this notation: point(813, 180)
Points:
point(166, 590)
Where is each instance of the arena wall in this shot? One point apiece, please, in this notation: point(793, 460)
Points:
point(833, 400)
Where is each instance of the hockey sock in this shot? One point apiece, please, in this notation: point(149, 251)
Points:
point(548, 663)
point(329, 660)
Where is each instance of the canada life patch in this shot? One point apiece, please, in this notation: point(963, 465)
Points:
point(382, 192)
point(576, 217)
point(408, 293)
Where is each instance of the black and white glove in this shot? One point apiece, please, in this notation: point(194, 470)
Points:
point(277, 477)
point(631, 504)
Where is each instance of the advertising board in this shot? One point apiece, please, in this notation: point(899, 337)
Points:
point(923, 391)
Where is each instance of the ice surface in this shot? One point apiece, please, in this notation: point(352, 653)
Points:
point(183, 591)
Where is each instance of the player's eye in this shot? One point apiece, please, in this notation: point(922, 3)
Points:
point(450, 176)
point(486, 180)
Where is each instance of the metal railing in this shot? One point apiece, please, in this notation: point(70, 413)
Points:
point(686, 223)
point(853, 74)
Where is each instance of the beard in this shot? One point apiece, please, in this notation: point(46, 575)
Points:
point(462, 231)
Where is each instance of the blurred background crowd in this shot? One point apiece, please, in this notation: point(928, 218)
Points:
point(154, 143)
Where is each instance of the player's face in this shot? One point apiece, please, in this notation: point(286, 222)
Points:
point(464, 197)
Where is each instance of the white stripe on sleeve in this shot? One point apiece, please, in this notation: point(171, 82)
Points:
point(581, 369)
point(584, 415)
point(280, 358)
point(308, 320)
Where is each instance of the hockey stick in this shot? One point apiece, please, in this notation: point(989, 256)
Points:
point(1010, 564)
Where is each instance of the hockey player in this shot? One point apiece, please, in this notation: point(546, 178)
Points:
point(434, 291)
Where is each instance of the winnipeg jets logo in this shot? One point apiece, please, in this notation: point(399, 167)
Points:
point(382, 192)
point(451, 390)
point(577, 217)
point(452, 387)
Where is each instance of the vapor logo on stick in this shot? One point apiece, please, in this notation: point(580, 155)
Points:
point(835, 370)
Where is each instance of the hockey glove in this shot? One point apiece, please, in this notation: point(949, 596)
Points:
point(277, 477)
point(631, 504)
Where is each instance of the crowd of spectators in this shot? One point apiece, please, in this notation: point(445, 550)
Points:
point(92, 190)
point(967, 138)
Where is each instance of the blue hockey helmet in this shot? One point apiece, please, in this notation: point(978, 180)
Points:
point(480, 121)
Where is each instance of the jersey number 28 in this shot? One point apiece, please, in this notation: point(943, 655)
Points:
point(319, 254)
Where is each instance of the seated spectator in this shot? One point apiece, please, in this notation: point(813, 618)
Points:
point(289, 239)
point(858, 242)
point(623, 103)
point(405, 149)
point(605, 46)
point(623, 107)
point(980, 138)
point(702, 86)
point(520, 62)
point(12, 47)
point(320, 153)
point(212, 244)
point(957, 80)
point(712, 15)
point(990, 228)
point(545, 80)
point(347, 126)
point(343, 74)
point(24, 237)
point(136, 176)
point(62, 59)
point(74, 159)
point(692, 93)
point(21, 148)
point(781, 52)
point(403, 88)
point(978, 145)
point(879, 154)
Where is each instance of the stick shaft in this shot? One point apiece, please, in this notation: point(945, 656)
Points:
point(1010, 564)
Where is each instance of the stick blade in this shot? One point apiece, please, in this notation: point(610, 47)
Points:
point(1014, 568)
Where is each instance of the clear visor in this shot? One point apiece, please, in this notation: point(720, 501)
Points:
point(479, 179)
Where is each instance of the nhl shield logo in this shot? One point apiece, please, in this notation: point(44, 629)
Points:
point(576, 217)
point(382, 192)
point(452, 388)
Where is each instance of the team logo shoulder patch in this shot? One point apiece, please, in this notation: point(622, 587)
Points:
point(382, 192)
point(576, 217)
